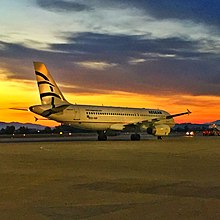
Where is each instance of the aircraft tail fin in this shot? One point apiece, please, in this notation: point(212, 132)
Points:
point(50, 93)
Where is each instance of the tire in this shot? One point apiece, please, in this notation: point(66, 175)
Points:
point(102, 137)
point(135, 137)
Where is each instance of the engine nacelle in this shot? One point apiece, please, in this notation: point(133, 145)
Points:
point(117, 127)
point(159, 130)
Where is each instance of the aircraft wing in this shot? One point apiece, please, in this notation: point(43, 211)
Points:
point(179, 114)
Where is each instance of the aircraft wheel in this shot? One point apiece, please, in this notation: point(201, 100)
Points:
point(135, 137)
point(102, 136)
point(159, 138)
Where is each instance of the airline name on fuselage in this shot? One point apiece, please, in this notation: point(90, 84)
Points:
point(156, 112)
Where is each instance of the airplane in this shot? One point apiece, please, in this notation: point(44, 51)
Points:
point(55, 107)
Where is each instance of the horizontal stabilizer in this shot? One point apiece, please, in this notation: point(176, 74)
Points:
point(51, 111)
point(19, 109)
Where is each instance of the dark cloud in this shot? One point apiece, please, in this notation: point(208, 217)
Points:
point(171, 66)
point(121, 48)
point(205, 11)
point(62, 6)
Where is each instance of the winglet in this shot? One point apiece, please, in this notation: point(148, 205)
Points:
point(188, 111)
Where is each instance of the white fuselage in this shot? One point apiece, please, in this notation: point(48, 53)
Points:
point(105, 117)
point(55, 107)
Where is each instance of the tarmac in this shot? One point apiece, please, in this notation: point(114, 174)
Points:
point(176, 178)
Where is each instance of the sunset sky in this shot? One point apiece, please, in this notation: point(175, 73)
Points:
point(145, 53)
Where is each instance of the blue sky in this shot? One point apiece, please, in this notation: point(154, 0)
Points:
point(144, 47)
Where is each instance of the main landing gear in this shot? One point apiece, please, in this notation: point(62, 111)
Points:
point(135, 137)
point(102, 136)
point(159, 138)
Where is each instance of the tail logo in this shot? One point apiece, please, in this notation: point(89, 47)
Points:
point(50, 94)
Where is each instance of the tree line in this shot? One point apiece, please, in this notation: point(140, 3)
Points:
point(47, 130)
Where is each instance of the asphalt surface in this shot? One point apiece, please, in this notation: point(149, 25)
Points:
point(176, 178)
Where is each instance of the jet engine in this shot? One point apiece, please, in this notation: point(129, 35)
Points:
point(159, 130)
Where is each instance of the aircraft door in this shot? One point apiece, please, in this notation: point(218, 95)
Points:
point(76, 113)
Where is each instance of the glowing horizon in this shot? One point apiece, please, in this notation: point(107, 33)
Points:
point(24, 94)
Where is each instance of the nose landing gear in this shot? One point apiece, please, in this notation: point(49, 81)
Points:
point(102, 136)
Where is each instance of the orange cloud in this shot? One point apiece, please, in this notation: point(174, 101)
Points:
point(18, 94)
point(24, 93)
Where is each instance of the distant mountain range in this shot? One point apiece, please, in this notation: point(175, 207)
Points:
point(41, 127)
point(18, 125)
point(215, 122)
point(192, 126)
